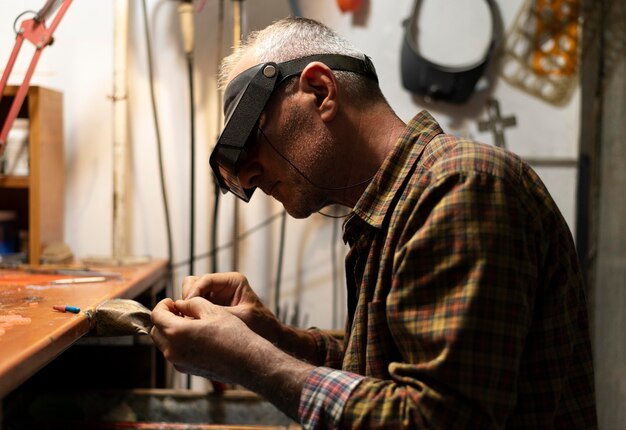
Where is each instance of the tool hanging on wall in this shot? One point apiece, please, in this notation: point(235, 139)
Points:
point(541, 51)
point(440, 82)
point(35, 31)
point(349, 5)
point(496, 123)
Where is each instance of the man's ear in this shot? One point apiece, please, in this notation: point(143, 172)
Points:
point(318, 80)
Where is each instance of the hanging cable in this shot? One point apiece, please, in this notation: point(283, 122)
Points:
point(237, 38)
point(192, 180)
point(192, 168)
point(333, 263)
point(158, 136)
point(229, 245)
point(185, 13)
point(279, 269)
point(218, 98)
point(216, 210)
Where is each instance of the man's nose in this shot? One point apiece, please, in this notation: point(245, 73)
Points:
point(249, 172)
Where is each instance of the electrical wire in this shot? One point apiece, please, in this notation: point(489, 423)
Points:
point(238, 17)
point(158, 134)
point(333, 263)
point(192, 168)
point(216, 187)
point(17, 30)
point(192, 183)
point(229, 245)
point(185, 11)
point(214, 246)
point(322, 187)
point(279, 269)
point(216, 210)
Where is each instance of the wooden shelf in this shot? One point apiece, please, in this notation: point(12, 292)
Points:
point(14, 181)
point(39, 197)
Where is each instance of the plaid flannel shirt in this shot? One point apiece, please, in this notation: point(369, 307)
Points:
point(466, 302)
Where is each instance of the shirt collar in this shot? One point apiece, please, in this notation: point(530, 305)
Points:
point(373, 205)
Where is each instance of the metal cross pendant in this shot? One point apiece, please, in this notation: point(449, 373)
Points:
point(496, 123)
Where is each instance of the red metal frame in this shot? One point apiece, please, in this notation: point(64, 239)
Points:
point(35, 31)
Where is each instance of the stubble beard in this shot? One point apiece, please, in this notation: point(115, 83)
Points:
point(309, 150)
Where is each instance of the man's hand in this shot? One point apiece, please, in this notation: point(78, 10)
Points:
point(233, 292)
point(203, 339)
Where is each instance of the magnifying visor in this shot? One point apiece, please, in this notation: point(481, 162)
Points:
point(244, 100)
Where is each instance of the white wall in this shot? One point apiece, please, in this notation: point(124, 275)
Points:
point(80, 65)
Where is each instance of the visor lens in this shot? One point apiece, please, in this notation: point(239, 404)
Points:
point(225, 163)
point(234, 185)
point(245, 98)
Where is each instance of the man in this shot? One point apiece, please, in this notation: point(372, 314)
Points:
point(466, 306)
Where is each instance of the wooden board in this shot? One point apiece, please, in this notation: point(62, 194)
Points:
point(32, 333)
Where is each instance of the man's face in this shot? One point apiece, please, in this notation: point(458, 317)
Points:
point(292, 154)
point(289, 151)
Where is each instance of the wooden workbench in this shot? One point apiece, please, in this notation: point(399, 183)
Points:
point(32, 333)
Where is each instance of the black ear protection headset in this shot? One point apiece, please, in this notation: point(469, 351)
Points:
point(244, 100)
point(436, 81)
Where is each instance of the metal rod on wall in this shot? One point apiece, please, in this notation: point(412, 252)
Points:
point(120, 131)
point(237, 35)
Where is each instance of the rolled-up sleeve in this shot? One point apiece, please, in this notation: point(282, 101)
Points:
point(329, 348)
point(324, 396)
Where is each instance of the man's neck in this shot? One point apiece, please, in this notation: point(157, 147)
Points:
point(370, 137)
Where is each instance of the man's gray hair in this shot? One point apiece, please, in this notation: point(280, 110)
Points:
point(291, 38)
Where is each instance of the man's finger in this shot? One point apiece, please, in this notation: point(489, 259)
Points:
point(164, 311)
point(219, 288)
point(195, 307)
point(188, 287)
